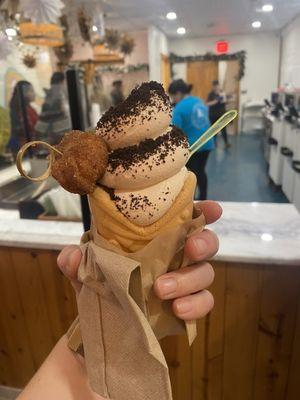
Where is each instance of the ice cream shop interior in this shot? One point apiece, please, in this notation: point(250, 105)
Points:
point(149, 199)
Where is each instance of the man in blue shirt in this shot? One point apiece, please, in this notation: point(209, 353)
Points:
point(190, 114)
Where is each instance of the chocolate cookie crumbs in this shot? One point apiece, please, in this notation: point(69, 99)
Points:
point(133, 156)
point(147, 94)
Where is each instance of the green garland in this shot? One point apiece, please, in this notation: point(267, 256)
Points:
point(240, 56)
point(125, 69)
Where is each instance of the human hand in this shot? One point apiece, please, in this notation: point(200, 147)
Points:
point(187, 287)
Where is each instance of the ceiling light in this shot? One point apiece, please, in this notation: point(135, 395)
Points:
point(11, 32)
point(171, 15)
point(181, 30)
point(267, 237)
point(267, 8)
point(94, 28)
point(256, 24)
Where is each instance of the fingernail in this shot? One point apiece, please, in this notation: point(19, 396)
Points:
point(183, 306)
point(167, 286)
point(200, 246)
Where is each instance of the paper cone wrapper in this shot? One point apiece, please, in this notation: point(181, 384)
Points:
point(121, 319)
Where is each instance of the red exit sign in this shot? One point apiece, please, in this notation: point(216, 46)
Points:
point(222, 47)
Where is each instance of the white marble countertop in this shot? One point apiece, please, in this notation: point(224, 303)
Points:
point(249, 232)
point(265, 233)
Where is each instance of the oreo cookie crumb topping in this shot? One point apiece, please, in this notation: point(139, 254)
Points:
point(147, 94)
point(134, 156)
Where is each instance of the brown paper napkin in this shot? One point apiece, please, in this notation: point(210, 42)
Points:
point(121, 319)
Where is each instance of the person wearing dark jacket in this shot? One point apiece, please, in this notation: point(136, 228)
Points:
point(23, 117)
point(117, 95)
point(217, 107)
point(54, 119)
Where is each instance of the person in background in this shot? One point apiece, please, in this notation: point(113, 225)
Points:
point(190, 114)
point(98, 95)
point(217, 107)
point(23, 117)
point(54, 119)
point(117, 95)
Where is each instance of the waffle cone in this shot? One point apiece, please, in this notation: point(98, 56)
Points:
point(119, 231)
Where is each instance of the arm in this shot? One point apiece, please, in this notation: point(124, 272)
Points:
point(212, 103)
point(211, 99)
point(62, 376)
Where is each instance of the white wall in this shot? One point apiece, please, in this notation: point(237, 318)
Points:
point(290, 61)
point(262, 64)
point(157, 45)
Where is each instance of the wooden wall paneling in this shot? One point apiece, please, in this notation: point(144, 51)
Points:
point(29, 283)
point(241, 321)
point(18, 364)
point(199, 373)
point(178, 356)
point(280, 292)
point(183, 371)
point(58, 294)
point(215, 334)
point(168, 345)
point(6, 362)
point(293, 387)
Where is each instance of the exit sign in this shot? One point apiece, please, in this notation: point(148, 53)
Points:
point(222, 47)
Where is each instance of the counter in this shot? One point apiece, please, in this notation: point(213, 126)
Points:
point(249, 232)
point(247, 348)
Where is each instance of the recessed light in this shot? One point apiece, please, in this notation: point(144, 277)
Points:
point(266, 237)
point(11, 32)
point(267, 8)
point(171, 15)
point(181, 30)
point(256, 24)
point(94, 28)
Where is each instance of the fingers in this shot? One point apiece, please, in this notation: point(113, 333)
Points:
point(68, 262)
point(184, 281)
point(212, 211)
point(194, 306)
point(201, 246)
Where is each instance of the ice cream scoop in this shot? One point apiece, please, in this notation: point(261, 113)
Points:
point(146, 113)
point(146, 206)
point(148, 163)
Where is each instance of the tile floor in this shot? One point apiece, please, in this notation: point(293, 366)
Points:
point(240, 173)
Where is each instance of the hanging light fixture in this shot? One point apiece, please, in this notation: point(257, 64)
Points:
point(41, 34)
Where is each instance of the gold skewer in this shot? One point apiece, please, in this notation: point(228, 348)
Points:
point(22, 152)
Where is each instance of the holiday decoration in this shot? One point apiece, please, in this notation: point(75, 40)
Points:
point(29, 60)
point(84, 23)
point(41, 11)
point(64, 53)
point(240, 56)
point(112, 39)
point(125, 69)
point(127, 44)
point(5, 49)
point(41, 34)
